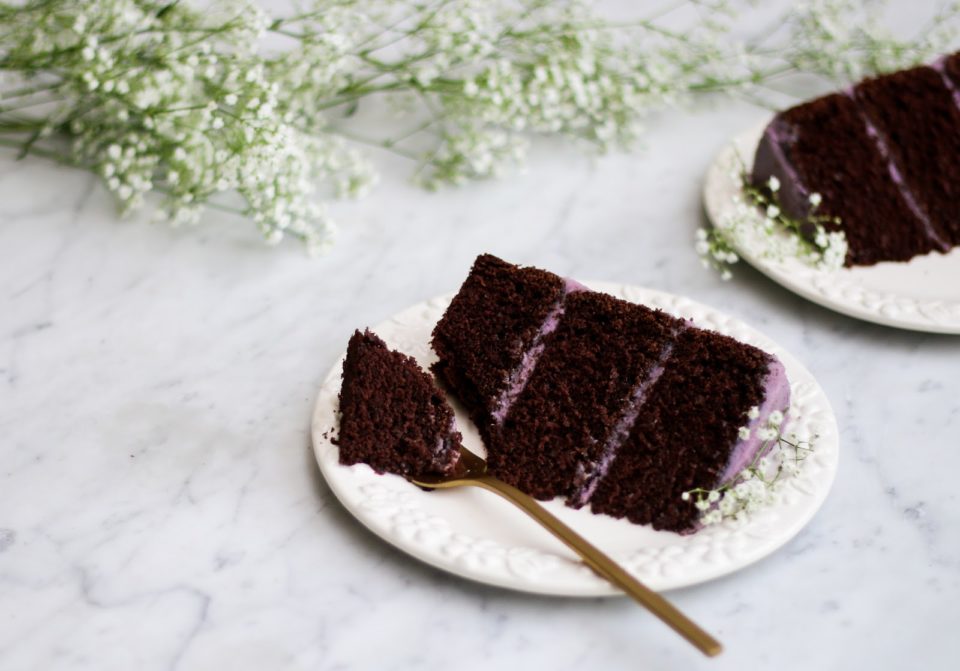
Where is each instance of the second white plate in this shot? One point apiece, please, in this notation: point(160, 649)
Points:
point(922, 294)
point(477, 535)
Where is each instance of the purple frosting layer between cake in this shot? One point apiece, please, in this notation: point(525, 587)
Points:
point(940, 67)
point(591, 476)
point(521, 375)
point(896, 175)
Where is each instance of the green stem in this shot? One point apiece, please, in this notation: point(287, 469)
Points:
point(42, 152)
point(373, 142)
point(26, 126)
point(28, 90)
point(354, 95)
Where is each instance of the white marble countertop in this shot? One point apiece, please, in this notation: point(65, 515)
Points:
point(160, 507)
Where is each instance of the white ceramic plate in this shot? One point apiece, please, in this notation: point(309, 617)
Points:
point(922, 294)
point(477, 535)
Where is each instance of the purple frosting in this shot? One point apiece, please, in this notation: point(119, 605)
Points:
point(940, 67)
point(772, 161)
point(776, 397)
point(519, 377)
point(445, 453)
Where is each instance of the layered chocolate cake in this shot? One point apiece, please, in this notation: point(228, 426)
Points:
point(882, 157)
point(598, 400)
point(393, 416)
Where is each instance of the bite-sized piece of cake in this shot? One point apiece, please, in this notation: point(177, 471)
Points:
point(560, 426)
point(687, 435)
point(825, 147)
point(619, 406)
point(924, 150)
point(492, 329)
point(392, 415)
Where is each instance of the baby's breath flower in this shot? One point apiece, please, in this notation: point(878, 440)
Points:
point(757, 484)
point(766, 433)
point(194, 103)
point(712, 517)
point(764, 220)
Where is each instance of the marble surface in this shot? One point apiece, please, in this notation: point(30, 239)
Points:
point(160, 507)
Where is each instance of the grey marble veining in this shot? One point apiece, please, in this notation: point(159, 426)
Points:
point(159, 503)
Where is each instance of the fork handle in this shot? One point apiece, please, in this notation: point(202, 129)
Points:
point(603, 565)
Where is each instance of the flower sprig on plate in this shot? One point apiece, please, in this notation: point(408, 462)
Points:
point(779, 457)
point(757, 213)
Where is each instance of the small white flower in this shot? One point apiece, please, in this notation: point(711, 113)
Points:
point(713, 496)
point(815, 199)
point(743, 433)
point(773, 184)
point(776, 418)
point(728, 505)
point(701, 504)
point(713, 517)
point(753, 412)
point(230, 99)
point(773, 211)
point(685, 496)
point(766, 433)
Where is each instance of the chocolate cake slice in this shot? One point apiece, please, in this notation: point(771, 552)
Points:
point(392, 415)
point(558, 430)
point(687, 435)
point(492, 331)
point(615, 405)
point(882, 157)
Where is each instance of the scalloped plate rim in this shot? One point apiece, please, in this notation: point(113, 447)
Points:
point(341, 478)
point(716, 189)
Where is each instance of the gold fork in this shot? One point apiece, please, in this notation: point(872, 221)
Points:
point(471, 471)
